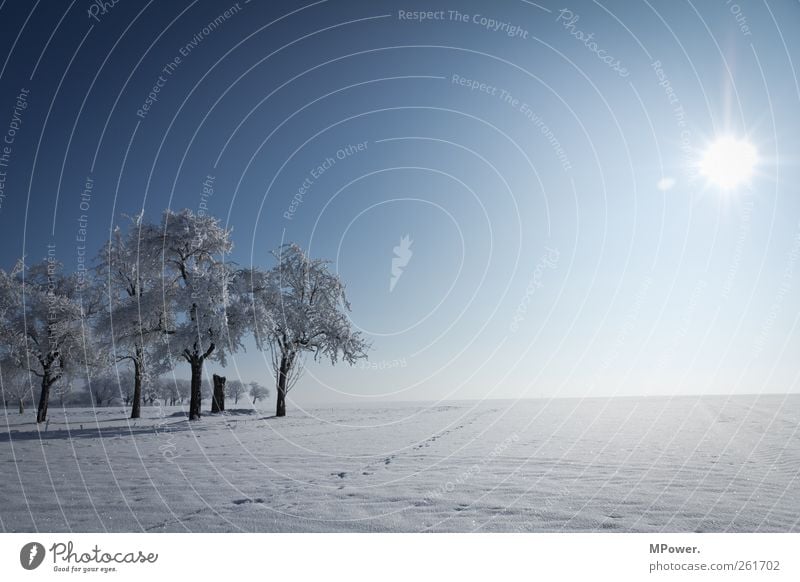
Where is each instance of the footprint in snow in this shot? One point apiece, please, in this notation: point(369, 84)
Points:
point(244, 501)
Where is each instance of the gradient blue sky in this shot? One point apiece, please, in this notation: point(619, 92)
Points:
point(534, 272)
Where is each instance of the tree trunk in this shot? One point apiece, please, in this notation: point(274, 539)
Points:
point(136, 408)
point(283, 372)
point(218, 398)
point(197, 379)
point(21, 407)
point(44, 397)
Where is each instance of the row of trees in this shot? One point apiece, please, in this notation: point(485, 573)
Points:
point(162, 293)
point(110, 391)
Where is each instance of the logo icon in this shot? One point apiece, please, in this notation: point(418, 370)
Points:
point(402, 255)
point(31, 555)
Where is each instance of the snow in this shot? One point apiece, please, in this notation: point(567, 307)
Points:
point(711, 463)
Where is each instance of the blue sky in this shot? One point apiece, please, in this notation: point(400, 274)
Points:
point(545, 260)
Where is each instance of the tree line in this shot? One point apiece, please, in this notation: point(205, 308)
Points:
point(162, 293)
point(110, 390)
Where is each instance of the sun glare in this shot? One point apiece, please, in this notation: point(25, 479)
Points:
point(728, 162)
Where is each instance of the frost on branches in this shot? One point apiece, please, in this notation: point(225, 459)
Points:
point(161, 293)
point(136, 316)
point(199, 288)
point(43, 321)
point(301, 307)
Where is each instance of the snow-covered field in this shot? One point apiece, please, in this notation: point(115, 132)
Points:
point(657, 464)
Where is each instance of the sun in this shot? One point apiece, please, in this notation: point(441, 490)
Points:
point(728, 162)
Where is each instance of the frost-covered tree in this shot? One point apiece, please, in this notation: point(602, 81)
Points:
point(184, 388)
point(235, 389)
point(136, 316)
point(300, 307)
point(258, 392)
point(63, 390)
point(43, 321)
point(167, 390)
point(14, 385)
point(104, 390)
point(210, 318)
point(171, 390)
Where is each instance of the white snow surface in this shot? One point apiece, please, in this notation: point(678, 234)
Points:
point(683, 464)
